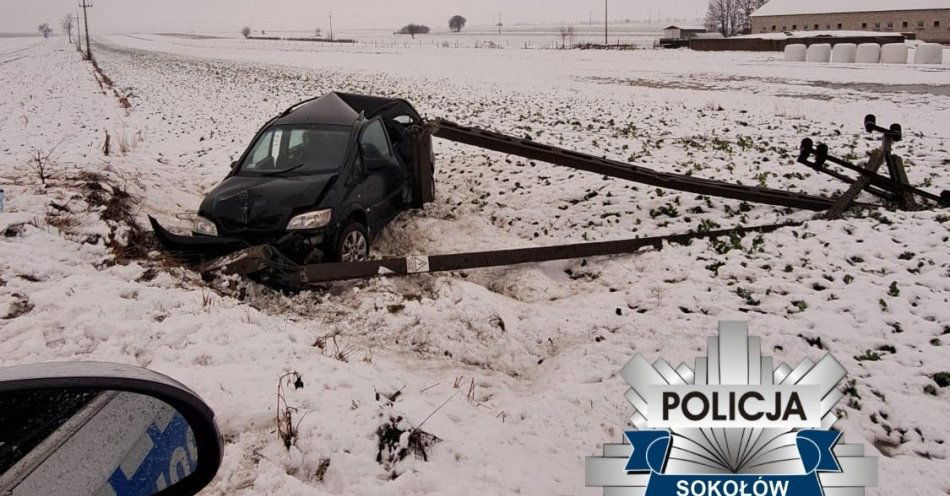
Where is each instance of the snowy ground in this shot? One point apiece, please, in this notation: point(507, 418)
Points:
point(527, 356)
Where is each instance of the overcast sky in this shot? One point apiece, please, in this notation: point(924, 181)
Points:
point(225, 15)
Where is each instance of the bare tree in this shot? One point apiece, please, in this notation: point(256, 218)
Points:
point(457, 23)
point(746, 8)
point(45, 30)
point(731, 17)
point(246, 32)
point(317, 33)
point(567, 33)
point(67, 24)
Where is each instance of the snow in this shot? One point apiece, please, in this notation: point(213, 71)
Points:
point(795, 7)
point(537, 346)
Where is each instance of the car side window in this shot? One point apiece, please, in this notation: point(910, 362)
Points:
point(296, 138)
point(261, 151)
point(373, 141)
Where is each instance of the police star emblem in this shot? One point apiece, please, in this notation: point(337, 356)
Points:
point(736, 424)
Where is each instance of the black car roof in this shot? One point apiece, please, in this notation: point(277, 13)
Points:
point(343, 109)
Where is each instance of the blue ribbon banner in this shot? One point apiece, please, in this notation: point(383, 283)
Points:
point(650, 449)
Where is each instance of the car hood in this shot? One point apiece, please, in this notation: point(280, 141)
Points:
point(262, 204)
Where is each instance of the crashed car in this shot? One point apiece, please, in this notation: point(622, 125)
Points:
point(318, 182)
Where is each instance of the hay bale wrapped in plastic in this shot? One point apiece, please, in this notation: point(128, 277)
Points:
point(795, 53)
point(844, 53)
point(929, 53)
point(894, 53)
point(819, 52)
point(868, 53)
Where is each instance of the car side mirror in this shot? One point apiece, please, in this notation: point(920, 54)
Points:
point(100, 428)
point(377, 163)
point(234, 165)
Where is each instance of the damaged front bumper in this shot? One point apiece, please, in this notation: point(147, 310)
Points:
point(195, 249)
point(211, 254)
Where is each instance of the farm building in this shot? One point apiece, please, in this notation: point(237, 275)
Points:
point(679, 36)
point(927, 20)
point(682, 32)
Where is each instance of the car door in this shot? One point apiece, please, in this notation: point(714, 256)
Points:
point(383, 182)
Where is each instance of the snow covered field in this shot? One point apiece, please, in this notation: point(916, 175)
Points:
point(526, 357)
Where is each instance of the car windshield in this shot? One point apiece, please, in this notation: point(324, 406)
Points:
point(297, 150)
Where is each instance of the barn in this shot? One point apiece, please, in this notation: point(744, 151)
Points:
point(927, 20)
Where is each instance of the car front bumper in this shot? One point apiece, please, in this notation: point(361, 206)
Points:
point(195, 248)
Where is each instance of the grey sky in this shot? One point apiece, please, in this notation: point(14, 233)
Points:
point(159, 15)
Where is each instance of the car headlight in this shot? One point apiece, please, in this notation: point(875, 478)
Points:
point(205, 227)
point(310, 220)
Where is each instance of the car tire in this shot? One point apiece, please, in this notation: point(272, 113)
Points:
point(352, 245)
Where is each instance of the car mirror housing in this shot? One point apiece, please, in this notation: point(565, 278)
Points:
point(234, 165)
point(97, 428)
point(377, 163)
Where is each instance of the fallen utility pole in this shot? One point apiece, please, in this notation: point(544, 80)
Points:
point(558, 156)
point(896, 188)
point(254, 259)
point(821, 158)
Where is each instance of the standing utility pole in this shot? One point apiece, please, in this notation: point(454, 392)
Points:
point(85, 20)
point(78, 33)
point(331, 26)
point(605, 23)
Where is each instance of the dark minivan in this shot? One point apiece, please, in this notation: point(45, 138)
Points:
point(318, 182)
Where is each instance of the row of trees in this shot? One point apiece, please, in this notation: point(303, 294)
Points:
point(456, 24)
point(731, 17)
point(67, 23)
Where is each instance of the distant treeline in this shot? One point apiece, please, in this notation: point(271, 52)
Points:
point(318, 40)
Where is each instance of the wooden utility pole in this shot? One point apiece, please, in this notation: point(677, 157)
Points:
point(78, 33)
point(331, 26)
point(605, 24)
point(85, 20)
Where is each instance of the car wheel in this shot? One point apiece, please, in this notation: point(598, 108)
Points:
point(353, 244)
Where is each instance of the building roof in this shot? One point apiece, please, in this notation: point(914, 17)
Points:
point(686, 28)
point(831, 35)
point(796, 7)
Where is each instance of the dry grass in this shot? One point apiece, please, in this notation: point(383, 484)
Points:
point(390, 433)
point(41, 163)
point(119, 207)
point(286, 428)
